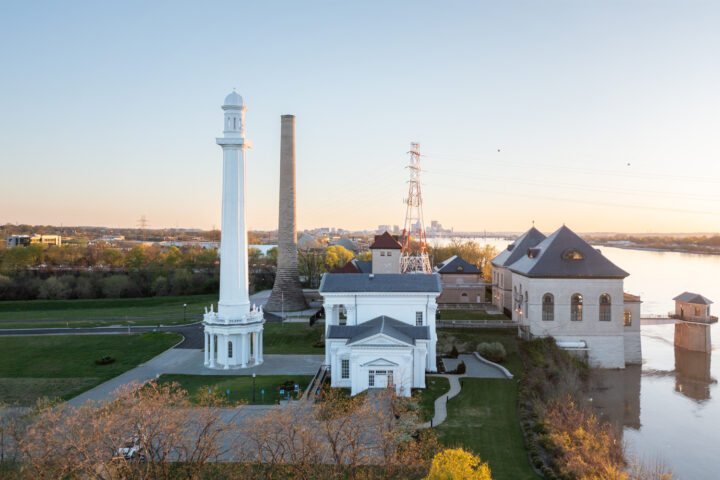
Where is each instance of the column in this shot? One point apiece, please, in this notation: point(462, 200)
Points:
point(260, 348)
point(207, 345)
point(212, 350)
point(243, 349)
point(255, 346)
point(227, 359)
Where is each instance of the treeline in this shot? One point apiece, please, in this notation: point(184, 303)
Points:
point(694, 244)
point(98, 271)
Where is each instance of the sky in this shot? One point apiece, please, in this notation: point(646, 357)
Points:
point(602, 115)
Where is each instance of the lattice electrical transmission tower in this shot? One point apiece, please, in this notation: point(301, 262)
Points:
point(414, 258)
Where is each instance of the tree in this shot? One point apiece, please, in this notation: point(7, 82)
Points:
point(336, 256)
point(136, 258)
point(311, 266)
point(457, 464)
point(113, 257)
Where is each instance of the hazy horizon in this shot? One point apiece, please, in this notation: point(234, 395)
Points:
point(600, 115)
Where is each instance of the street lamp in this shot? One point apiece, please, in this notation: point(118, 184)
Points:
point(184, 310)
point(253, 400)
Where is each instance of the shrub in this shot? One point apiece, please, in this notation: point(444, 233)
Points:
point(454, 352)
point(106, 360)
point(53, 289)
point(117, 286)
point(457, 463)
point(461, 368)
point(495, 351)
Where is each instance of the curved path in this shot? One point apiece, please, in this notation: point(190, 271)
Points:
point(441, 401)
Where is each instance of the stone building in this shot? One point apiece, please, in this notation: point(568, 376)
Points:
point(502, 278)
point(564, 288)
point(462, 282)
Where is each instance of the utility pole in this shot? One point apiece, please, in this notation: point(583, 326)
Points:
point(414, 260)
point(142, 223)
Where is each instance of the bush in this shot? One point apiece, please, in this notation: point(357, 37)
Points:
point(461, 368)
point(53, 289)
point(107, 360)
point(117, 286)
point(454, 352)
point(495, 351)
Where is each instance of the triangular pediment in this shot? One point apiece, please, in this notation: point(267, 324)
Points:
point(379, 339)
point(380, 362)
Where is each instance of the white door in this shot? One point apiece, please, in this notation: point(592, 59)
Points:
point(378, 379)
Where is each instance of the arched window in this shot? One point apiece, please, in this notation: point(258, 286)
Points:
point(627, 318)
point(229, 349)
point(548, 308)
point(576, 304)
point(605, 307)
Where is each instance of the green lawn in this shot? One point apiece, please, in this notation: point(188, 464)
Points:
point(466, 339)
point(470, 315)
point(64, 365)
point(483, 418)
point(240, 386)
point(435, 387)
point(101, 311)
point(293, 338)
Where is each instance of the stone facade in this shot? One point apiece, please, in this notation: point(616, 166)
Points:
point(287, 292)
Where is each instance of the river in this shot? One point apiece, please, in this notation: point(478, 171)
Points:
point(669, 407)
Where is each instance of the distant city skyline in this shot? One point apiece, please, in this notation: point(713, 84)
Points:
point(600, 115)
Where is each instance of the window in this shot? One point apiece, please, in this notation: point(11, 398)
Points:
point(229, 349)
point(390, 378)
point(345, 368)
point(604, 307)
point(371, 378)
point(459, 268)
point(548, 308)
point(627, 318)
point(382, 253)
point(576, 304)
point(418, 318)
point(697, 311)
point(572, 254)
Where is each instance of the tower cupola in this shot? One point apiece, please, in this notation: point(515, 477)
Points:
point(234, 107)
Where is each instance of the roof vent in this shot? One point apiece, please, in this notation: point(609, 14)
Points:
point(510, 247)
point(371, 276)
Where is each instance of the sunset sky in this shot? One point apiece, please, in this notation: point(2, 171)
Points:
point(602, 115)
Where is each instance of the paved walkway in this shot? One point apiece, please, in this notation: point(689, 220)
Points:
point(190, 362)
point(441, 401)
point(474, 367)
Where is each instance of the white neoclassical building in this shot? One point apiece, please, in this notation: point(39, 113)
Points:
point(233, 334)
point(380, 329)
point(565, 288)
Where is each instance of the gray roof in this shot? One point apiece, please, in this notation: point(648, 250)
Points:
point(550, 258)
point(689, 297)
point(518, 248)
point(346, 243)
point(385, 325)
point(363, 266)
point(452, 264)
point(379, 282)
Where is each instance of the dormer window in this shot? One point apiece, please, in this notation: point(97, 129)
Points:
point(572, 254)
point(459, 268)
point(533, 252)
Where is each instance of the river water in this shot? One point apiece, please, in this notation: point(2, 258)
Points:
point(668, 408)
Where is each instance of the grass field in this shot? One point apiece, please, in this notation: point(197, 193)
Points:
point(293, 338)
point(483, 418)
point(101, 311)
point(435, 386)
point(470, 315)
point(240, 386)
point(466, 339)
point(64, 365)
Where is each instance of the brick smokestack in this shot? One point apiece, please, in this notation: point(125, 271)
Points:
point(287, 292)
